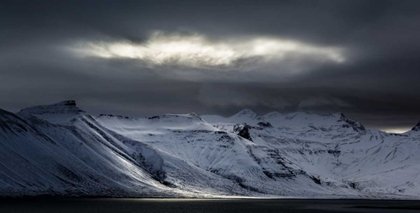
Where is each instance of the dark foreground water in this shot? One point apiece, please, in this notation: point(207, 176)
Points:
point(203, 205)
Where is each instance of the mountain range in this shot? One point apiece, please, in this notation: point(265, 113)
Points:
point(62, 150)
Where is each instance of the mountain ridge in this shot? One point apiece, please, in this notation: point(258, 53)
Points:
point(68, 152)
point(417, 127)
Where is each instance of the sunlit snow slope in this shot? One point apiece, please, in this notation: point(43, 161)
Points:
point(59, 149)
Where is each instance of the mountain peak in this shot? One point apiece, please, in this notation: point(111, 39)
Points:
point(273, 114)
point(339, 115)
point(350, 123)
point(195, 115)
point(62, 107)
point(245, 113)
point(67, 103)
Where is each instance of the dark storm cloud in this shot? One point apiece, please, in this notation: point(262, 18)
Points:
point(377, 84)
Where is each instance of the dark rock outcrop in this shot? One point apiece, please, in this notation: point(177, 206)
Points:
point(351, 123)
point(243, 131)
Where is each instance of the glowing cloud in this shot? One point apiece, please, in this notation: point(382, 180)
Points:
point(396, 130)
point(200, 51)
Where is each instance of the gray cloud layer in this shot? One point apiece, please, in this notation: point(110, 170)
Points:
point(377, 85)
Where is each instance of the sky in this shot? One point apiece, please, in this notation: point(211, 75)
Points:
point(142, 58)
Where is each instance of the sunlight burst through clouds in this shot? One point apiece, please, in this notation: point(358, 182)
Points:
point(200, 51)
point(396, 130)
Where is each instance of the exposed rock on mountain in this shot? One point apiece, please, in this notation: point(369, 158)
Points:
point(62, 150)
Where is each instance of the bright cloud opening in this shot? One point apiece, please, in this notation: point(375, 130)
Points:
point(198, 50)
point(396, 130)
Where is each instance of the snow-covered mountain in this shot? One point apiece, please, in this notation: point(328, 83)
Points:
point(61, 149)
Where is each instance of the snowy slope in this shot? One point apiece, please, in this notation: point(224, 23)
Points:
point(38, 157)
point(61, 149)
point(340, 151)
point(255, 168)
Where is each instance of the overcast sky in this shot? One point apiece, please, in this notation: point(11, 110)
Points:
point(144, 58)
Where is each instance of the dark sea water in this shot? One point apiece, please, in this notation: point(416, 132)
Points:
point(203, 205)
